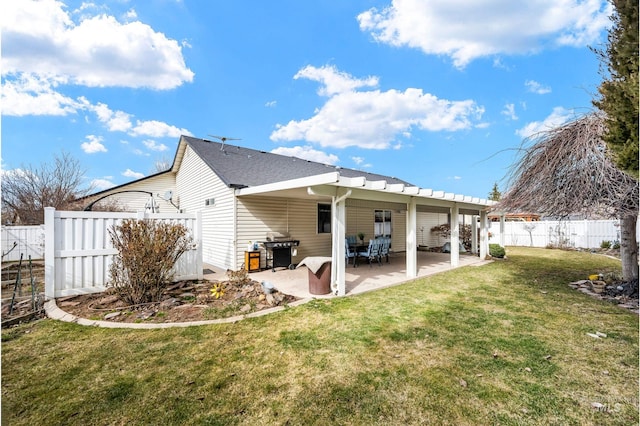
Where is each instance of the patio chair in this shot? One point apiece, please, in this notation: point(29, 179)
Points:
point(384, 247)
point(372, 252)
point(348, 253)
point(351, 240)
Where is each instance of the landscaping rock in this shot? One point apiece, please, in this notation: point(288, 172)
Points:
point(271, 301)
point(172, 301)
point(112, 315)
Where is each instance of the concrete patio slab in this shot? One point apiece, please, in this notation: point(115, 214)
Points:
point(360, 279)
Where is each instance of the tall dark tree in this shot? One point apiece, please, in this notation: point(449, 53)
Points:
point(590, 165)
point(619, 91)
point(28, 190)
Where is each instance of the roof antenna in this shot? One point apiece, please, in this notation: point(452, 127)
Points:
point(223, 139)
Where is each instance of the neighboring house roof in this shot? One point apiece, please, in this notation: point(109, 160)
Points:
point(241, 167)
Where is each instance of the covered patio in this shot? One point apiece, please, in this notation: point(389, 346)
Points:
point(343, 193)
point(365, 278)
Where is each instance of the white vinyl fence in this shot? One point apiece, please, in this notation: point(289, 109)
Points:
point(78, 250)
point(584, 234)
point(22, 240)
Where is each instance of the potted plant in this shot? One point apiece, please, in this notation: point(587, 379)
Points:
point(361, 237)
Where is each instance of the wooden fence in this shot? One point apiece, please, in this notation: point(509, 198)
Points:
point(567, 233)
point(78, 250)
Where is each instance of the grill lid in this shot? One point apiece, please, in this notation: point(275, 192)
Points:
point(278, 236)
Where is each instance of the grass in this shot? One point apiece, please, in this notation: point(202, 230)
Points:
point(505, 343)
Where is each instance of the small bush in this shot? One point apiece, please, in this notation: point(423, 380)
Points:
point(147, 251)
point(444, 231)
point(605, 244)
point(496, 250)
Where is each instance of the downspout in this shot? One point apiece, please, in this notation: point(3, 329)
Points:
point(234, 262)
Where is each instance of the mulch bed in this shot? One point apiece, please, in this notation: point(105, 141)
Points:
point(181, 302)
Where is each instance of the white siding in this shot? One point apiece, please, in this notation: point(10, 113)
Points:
point(425, 222)
point(137, 201)
point(196, 183)
point(258, 216)
point(360, 218)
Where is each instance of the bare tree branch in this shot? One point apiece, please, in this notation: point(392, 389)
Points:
point(568, 170)
point(27, 191)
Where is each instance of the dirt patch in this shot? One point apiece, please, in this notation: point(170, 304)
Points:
point(181, 302)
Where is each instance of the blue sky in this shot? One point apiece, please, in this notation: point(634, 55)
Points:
point(438, 93)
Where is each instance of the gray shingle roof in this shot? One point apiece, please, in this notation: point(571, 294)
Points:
point(244, 167)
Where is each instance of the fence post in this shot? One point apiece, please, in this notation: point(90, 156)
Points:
point(198, 238)
point(49, 253)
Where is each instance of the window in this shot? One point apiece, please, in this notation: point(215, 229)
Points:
point(324, 218)
point(382, 226)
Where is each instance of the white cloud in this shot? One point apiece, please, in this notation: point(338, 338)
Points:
point(307, 153)
point(373, 119)
point(334, 81)
point(157, 129)
point(131, 174)
point(558, 117)
point(102, 184)
point(535, 87)
point(466, 30)
point(510, 111)
point(154, 146)
point(271, 104)
point(116, 121)
point(41, 38)
point(29, 94)
point(94, 145)
point(357, 160)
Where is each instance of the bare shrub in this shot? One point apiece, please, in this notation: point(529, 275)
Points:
point(444, 231)
point(147, 251)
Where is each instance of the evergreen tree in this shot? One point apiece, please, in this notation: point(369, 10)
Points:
point(619, 89)
point(495, 194)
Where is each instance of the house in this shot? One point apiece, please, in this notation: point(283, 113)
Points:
point(246, 196)
point(515, 217)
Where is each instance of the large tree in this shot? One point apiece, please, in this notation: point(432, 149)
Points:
point(589, 166)
point(619, 93)
point(569, 171)
point(28, 190)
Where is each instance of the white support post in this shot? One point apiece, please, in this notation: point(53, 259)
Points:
point(338, 275)
point(484, 235)
point(455, 235)
point(412, 249)
point(474, 234)
point(502, 229)
point(49, 253)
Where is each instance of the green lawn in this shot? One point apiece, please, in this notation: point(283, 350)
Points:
point(505, 343)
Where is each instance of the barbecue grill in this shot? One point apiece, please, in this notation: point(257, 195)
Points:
point(279, 246)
